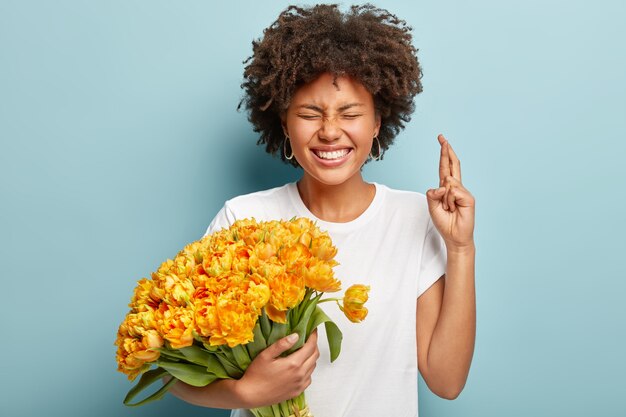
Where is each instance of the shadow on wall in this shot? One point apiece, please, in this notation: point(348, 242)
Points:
point(230, 163)
point(262, 170)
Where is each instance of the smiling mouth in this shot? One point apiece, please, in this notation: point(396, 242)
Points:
point(332, 155)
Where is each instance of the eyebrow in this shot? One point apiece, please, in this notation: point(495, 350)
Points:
point(319, 109)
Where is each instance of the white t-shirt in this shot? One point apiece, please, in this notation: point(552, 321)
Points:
point(395, 249)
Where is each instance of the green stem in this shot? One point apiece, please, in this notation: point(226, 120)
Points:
point(302, 306)
point(284, 409)
point(329, 299)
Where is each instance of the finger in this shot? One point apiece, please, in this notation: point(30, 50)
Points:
point(444, 160)
point(312, 340)
point(309, 365)
point(451, 199)
point(307, 349)
point(450, 181)
point(435, 193)
point(455, 165)
point(311, 343)
point(282, 345)
point(315, 353)
point(462, 197)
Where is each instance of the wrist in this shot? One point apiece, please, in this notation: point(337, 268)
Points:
point(463, 249)
point(241, 393)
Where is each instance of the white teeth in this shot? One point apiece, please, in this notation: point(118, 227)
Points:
point(332, 155)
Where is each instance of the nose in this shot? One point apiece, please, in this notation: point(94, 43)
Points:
point(329, 131)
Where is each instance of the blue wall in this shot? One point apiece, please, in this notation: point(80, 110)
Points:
point(120, 140)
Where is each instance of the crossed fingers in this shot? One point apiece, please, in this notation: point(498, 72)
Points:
point(449, 173)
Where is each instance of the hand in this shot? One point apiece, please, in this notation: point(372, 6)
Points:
point(271, 378)
point(451, 206)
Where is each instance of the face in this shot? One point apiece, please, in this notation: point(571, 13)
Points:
point(331, 128)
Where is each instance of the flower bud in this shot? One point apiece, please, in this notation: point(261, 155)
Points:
point(353, 302)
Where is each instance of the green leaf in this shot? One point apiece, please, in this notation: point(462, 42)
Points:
point(333, 333)
point(279, 330)
point(203, 357)
point(228, 354)
point(334, 339)
point(195, 375)
point(207, 346)
point(290, 318)
point(258, 343)
point(302, 325)
point(173, 355)
point(318, 317)
point(232, 369)
point(241, 356)
point(266, 327)
point(196, 355)
point(297, 310)
point(147, 379)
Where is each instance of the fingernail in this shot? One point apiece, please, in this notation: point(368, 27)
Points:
point(292, 338)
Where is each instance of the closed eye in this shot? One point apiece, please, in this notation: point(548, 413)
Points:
point(309, 116)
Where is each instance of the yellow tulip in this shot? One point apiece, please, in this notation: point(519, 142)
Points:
point(264, 251)
point(320, 276)
point(136, 337)
point(295, 257)
point(353, 302)
point(176, 325)
point(275, 315)
point(287, 290)
point(322, 248)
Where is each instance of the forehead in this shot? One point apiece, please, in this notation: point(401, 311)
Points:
point(330, 91)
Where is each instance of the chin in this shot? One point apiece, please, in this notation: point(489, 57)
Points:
point(333, 178)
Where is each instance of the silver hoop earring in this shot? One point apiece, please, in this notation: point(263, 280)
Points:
point(380, 154)
point(285, 149)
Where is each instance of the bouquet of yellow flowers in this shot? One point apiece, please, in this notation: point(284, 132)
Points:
point(207, 313)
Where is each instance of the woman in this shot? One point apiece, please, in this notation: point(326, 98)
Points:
point(328, 91)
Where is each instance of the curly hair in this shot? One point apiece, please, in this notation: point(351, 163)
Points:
point(366, 43)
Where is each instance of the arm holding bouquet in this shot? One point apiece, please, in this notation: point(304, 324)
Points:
point(270, 379)
point(233, 318)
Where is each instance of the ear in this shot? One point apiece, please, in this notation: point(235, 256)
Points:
point(283, 123)
point(377, 126)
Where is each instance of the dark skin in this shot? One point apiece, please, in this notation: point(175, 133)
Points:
point(446, 312)
point(270, 379)
point(445, 329)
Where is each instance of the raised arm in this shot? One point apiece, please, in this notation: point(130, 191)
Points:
point(446, 312)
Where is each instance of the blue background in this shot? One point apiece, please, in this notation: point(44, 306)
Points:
point(120, 140)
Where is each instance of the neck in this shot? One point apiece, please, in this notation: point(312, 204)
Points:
point(339, 203)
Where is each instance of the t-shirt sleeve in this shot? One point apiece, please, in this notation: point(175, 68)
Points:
point(222, 220)
point(434, 259)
